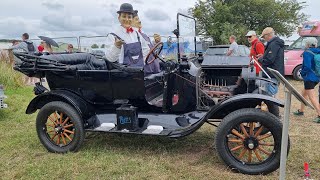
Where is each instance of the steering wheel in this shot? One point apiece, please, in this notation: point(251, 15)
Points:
point(155, 51)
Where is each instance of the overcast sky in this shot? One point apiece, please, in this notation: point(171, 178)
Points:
point(56, 18)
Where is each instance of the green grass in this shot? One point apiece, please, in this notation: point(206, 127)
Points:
point(11, 78)
point(106, 156)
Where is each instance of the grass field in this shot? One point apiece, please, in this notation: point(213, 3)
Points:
point(105, 156)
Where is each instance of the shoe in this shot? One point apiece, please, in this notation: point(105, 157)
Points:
point(298, 113)
point(317, 120)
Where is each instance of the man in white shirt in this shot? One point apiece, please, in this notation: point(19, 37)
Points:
point(233, 49)
point(128, 46)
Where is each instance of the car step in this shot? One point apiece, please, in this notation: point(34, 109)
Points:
point(153, 129)
point(105, 127)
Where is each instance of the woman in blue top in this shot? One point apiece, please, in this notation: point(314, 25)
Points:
point(310, 79)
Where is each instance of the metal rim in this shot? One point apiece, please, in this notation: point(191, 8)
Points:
point(299, 74)
point(248, 145)
point(60, 129)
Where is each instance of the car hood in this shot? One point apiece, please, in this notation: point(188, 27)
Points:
point(232, 61)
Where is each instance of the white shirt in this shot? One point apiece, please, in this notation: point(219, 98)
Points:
point(234, 48)
point(114, 54)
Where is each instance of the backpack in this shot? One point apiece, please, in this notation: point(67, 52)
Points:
point(255, 46)
point(316, 58)
point(30, 47)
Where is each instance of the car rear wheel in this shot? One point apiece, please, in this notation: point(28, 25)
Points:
point(59, 127)
point(248, 150)
point(297, 73)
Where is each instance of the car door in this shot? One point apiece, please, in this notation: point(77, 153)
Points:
point(127, 83)
point(95, 85)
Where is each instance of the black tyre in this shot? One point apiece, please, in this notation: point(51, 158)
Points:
point(60, 127)
point(296, 73)
point(248, 150)
point(273, 108)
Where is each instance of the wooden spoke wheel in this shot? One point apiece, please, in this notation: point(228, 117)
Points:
point(248, 145)
point(60, 127)
point(249, 141)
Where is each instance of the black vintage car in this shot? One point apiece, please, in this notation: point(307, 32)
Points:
point(88, 93)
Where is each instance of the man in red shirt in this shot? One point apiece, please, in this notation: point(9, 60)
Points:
point(257, 48)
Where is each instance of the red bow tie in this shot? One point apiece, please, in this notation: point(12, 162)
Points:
point(129, 30)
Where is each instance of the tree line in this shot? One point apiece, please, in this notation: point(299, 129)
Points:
point(221, 18)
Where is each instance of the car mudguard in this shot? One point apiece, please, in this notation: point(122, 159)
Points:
point(84, 108)
point(241, 101)
point(223, 108)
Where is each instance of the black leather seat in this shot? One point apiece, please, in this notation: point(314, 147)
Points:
point(79, 60)
point(71, 59)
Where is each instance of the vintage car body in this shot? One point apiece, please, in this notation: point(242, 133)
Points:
point(90, 94)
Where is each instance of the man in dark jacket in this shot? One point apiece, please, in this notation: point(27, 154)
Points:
point(273, 56)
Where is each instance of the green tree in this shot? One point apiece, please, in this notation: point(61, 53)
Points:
point(94, 46)
point(222, 18)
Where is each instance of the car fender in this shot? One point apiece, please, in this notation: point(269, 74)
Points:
point(223, 108)
point(83, 107)
point(234, 103)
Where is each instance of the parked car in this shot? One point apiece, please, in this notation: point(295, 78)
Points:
point(2, 97)
point(293, 54)
point(223, 49)
point(89, 94)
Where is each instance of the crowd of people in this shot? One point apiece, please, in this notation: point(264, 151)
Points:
point(26, 45)
point(272, 55)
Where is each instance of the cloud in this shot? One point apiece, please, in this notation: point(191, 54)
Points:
point(53, 5)
point(156, 15)
point(15, 26)
point(91, 25)
point(137, 2)
point(56, 18)
point(183, 11)
point(160, 27)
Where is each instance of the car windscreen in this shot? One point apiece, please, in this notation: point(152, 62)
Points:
point(187, 33)
point(217, 51)
point(298, 44)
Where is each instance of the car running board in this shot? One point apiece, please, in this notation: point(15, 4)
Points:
point(149, 124)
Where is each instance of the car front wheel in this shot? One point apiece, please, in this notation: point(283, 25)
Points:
point(242, 146)
point(60, 127)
